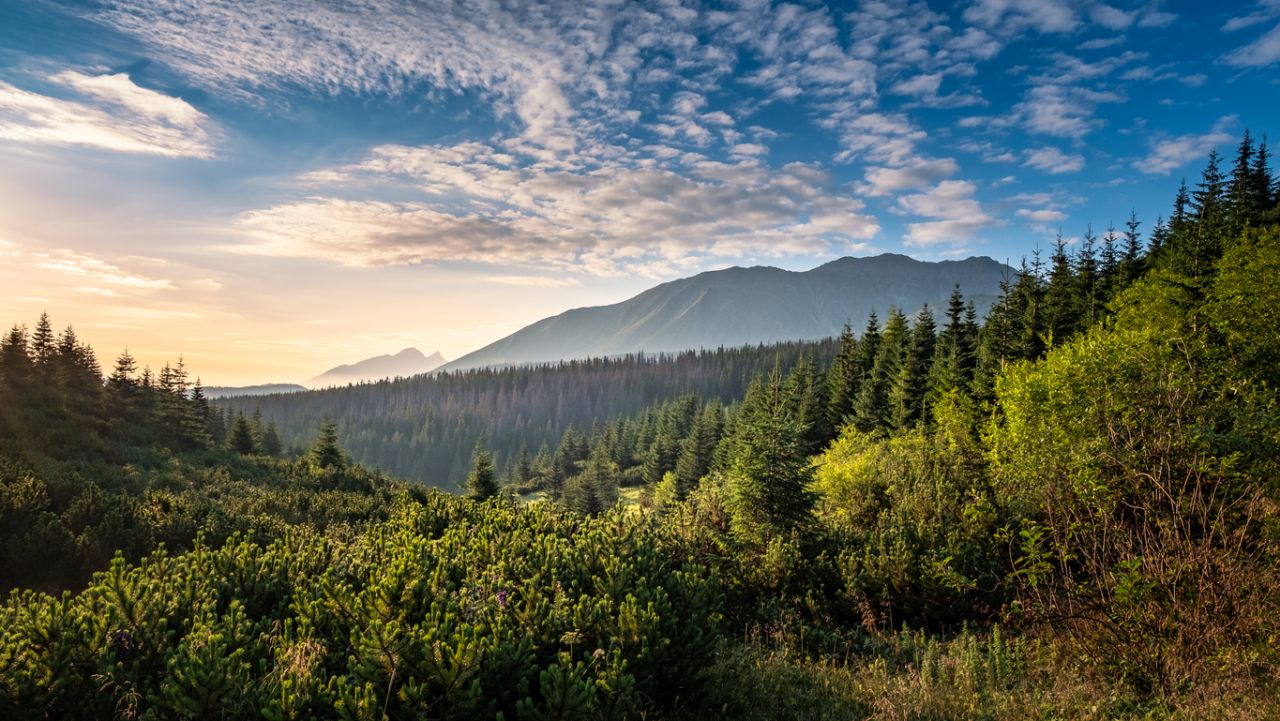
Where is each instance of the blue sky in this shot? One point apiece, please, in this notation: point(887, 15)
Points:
point(275, 187)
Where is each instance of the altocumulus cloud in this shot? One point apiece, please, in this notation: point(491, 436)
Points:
point(111, 112)
point(482, 204)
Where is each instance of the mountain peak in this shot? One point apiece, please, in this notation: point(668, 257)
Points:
point(408, 362)
point(740, 306)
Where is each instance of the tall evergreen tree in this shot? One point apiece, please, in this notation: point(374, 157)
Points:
point(1061, 295)
point(482, 482)
point(326, 453)
point(910, 385)
point(1131, 265)
point(769, 476)
point(241, 438)
point(872, 410)
point(697, 451)
point(843, 380)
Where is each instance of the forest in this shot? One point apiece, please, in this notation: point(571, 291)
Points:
point(1067, 509)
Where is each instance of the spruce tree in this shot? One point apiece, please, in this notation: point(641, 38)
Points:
point(241, 437)
point(1131, 265)
point(482, 481)
point(843, 380)
point(1061, 296)
point(697, 451)
point(1240, 191)
point(872, 411)
point(768, 476)
point(326, 453)
point(909, 390)
point(271, 445)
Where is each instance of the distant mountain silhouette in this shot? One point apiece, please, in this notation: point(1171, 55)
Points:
point(262, 390)
point(738, 306)
point(408, 362)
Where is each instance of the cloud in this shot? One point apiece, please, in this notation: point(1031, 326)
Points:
point(116, 115)
point(1172, 153)
point(886, 181)
point(1267, 10)
point(1052, 161)
point(1061, 110)
point(919, 86)
point(483, 205)
point(1042, 215)
point(1263, 51)
point(959, 217)
point(878, 137)
point(1010, 17)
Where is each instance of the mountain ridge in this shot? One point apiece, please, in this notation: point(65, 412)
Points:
point(407, 362)
point(740, 305)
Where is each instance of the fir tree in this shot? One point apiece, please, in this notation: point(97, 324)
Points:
point(872, 410)
point(482, 482)
point(1061, 304)
point(769, 476)
point(326, 453)
point(908, 393)
point(241, 438)
point(843, 380)
point(697, 451)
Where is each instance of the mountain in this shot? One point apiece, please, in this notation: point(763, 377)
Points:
point(408, 362)
point(262, 390)
point(738, 306)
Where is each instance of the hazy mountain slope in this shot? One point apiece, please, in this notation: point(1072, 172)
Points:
point(408, 362)
point(259, 390)
point(738, 306)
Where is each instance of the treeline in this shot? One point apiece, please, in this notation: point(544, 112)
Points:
point(93, 465)
point(425, 428)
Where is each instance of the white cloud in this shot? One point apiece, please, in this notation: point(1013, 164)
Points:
point(482, 205)
point(1263, 51)
point(1042, 215)
point(1170, 154)
point(919, 86)
point(886, 181)
point(1266, 10)
point(1010, 17)
point(116, 115)
point(1052, 161)
point(1061, 110)
point(959, 217)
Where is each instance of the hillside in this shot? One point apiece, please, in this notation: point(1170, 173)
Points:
point(741, 306)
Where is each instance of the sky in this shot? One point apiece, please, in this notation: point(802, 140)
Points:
point(269, 189)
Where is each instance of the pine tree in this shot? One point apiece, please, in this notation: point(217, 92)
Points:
point(15, 359)
point(956, 355)
point(595, 489)
point(808, 403)
point(326, 453)
point(1131, 265)
point(1086, 282)
point(1061, 304)
point(43, 343)
point(910, 385)
point(241, 438)
point(768, 478)
point(697, 451)
point(271, 445)
point(1265, 196)
point(843, 380)
point(872, 410)
point(482, 482)
point(1240, 191)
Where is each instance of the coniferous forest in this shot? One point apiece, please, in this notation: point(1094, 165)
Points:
point(1068, 508)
